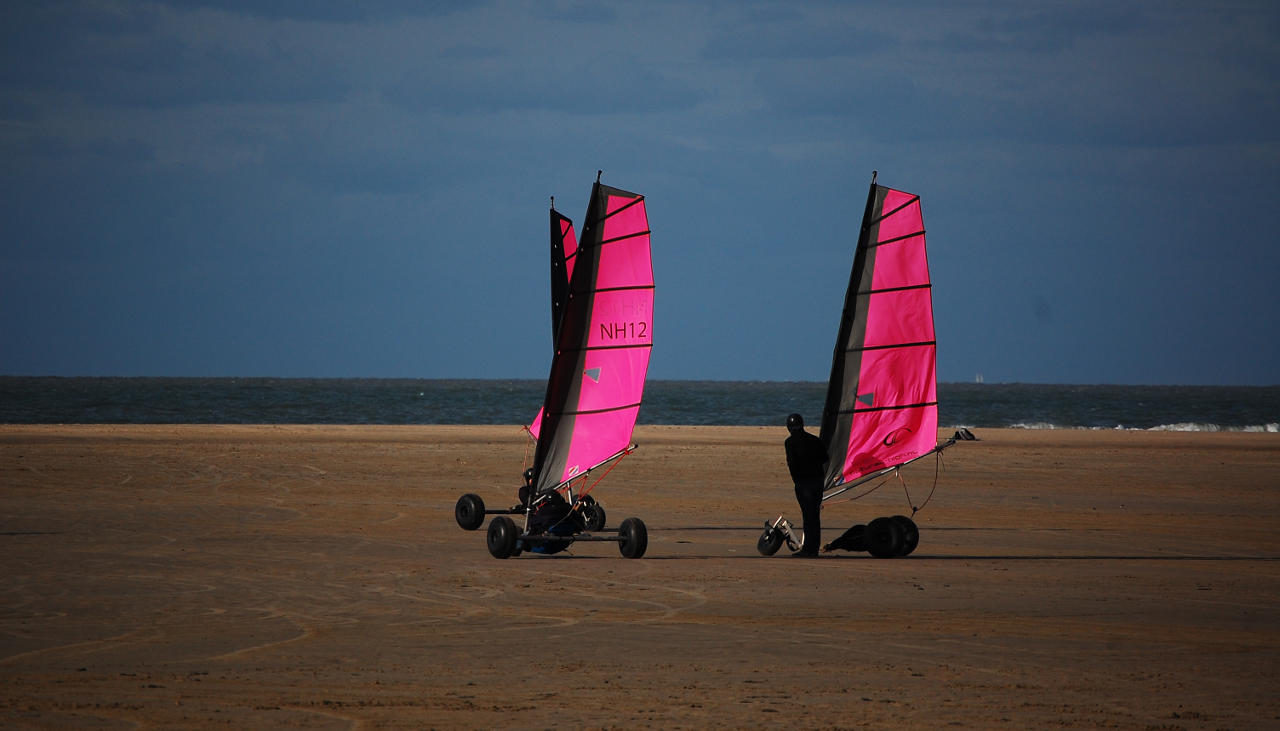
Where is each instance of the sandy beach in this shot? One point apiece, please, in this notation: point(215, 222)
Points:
point(314, 577)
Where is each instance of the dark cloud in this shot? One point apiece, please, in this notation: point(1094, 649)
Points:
point(122, 59)
point(331, 11)
point(594, 89)
point(772, 42)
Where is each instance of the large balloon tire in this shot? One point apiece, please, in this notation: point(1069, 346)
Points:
point(502, 537)
point(633, 538)
point(883, 538)
point(769, 542)
point(593, 514)
point(910, 534)
point(469, 512)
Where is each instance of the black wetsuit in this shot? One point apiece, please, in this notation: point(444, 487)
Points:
point(807, 458)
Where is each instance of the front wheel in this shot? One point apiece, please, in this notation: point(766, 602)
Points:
point(633, 538)
point(770, 541)
point(469, 512)
point(502, 537)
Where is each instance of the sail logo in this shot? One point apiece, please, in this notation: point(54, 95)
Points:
point(593, 374)
point(897, 435)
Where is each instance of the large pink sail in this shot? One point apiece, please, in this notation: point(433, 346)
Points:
point(602, 349)
point(564, 248)
point(882, 406)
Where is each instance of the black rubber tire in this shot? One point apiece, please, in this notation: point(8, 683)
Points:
point(883, 538)
point(502, 537)
point(633, 538)
point(769, 542)
point(910, 534)
point(469, 512)
point(593, 514)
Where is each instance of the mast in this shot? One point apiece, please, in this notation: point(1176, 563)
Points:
point(563, 248)
point(835, 431)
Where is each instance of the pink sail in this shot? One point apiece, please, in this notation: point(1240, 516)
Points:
point(882, 404)
point(564, 248)
point(603, 342)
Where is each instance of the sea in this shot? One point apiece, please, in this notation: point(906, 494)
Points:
point(58, 400)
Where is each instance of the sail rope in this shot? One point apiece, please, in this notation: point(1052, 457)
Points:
point(524, 462)
point(602, 476)
point(860, 495)
point(578, 503)
point(937, 469)
point(897, 472)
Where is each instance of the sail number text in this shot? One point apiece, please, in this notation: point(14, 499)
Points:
point(627, 330)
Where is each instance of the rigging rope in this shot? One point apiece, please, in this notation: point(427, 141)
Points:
point(897, 471)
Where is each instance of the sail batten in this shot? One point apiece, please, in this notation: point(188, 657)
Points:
point(624, 238)
point(888, 408)
point(916, 199)
point(896, 239)
point(624, 407)
point(865, 348)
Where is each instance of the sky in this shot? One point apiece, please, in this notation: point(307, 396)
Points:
point(333, 189)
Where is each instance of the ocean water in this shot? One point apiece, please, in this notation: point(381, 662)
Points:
point(28, 400)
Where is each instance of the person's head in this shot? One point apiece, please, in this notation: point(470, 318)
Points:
point(795, 423)
point(528, 476)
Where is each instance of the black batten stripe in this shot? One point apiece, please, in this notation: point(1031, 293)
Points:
point(605, 347)
point(865, 348)
point(890, 213)
point(621, 289)
point(602, 411)
point(624, 238)
point(895, 289)
point(896, 239)
point(889, 408)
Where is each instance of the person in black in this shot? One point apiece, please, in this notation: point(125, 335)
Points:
point(806, 459)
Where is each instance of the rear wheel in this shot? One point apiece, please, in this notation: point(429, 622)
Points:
point(633, 538)
point(593, 514)
point(910, 534)
point(502, 537)
point(469, 512)
point(883, 538)
point(770, 541)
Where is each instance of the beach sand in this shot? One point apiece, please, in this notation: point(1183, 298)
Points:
point(314, 577)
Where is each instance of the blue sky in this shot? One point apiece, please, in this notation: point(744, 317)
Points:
point(360, 189)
